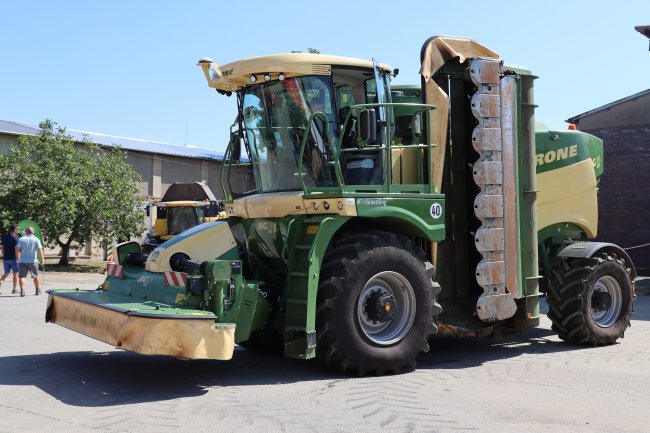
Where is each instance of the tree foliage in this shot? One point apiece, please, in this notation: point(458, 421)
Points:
point(309, 50)
point(75, 192)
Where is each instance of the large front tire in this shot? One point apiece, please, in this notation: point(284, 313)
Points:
point(376, 304)
point(590, 300)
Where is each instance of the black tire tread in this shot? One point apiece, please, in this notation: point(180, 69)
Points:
point(571, 281)
point(343, 254)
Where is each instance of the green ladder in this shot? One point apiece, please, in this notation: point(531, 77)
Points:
point(302, 285)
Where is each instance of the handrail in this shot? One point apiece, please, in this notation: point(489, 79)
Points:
point(423, 108)
point(228, 193)
point(336, 150)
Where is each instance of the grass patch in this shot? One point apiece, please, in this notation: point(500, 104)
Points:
point(84, 268)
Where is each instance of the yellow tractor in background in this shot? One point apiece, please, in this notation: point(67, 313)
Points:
point(183, 206)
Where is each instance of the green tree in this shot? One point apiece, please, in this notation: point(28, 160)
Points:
point(309, 50)
point(75, 192)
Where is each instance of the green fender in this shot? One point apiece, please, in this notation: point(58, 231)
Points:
point(328, 228)
point(415, 215)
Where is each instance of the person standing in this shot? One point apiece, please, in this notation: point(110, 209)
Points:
point(8, 247)
point(27, 252)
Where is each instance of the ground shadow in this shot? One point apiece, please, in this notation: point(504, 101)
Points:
point(458, 353)
point(94, 379)
point(464, 353)
point(114, 378)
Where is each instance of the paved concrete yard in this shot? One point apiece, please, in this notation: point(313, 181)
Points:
point(52, 379)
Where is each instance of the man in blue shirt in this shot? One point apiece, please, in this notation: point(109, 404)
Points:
point(27, 252)
point(9, 241)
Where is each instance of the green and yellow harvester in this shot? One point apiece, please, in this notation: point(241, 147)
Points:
point(381, 218)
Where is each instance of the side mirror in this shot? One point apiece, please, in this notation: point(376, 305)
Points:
point(367, 127)
point(148, 210)
point(124, 249)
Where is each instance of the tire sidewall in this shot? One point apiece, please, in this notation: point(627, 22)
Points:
point(619, 273)
point(359, 273)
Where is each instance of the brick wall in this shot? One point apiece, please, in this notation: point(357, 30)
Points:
point(624, 196)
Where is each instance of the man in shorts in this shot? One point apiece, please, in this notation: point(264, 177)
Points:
point(8, 246)
point(27, 252)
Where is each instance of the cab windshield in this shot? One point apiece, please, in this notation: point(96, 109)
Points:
point(276, 121)
point(181, 218)
point(279, 116)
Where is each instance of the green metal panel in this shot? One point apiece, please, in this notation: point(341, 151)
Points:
point(253, 311)
point(426, 215)
point(234, 300)
point(557, 233)
point(134, 306)
point(527, 197)
point(551, 238)
point(139, 284)
point(556, 149)
point(265, 236)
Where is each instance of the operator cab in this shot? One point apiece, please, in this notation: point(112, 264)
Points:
point(295, 124)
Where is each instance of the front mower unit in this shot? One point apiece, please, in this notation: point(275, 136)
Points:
point(195, 313)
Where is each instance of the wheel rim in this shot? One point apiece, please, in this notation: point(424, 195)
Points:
point(393, 286)
point(606, 312)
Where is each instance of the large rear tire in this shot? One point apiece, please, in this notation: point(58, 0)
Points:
point(590, 300)
point(376, 304)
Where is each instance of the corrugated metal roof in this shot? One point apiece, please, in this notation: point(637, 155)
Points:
point(575, 119)
point(134, 144)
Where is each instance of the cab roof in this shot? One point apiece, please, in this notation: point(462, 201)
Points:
point(235, 75)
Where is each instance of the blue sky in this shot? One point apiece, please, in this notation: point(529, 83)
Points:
point(128, 68)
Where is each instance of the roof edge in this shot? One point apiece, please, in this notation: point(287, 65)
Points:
point(178, 150)
point(576, 118)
